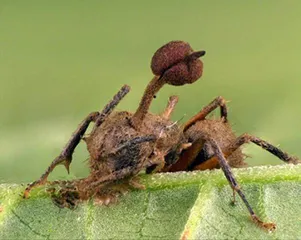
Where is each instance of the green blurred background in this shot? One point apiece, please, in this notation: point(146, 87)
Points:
point(59, 60)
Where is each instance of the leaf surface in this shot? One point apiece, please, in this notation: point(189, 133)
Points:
point(192, 205)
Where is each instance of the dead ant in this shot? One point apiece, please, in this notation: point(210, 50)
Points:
point(121, 144)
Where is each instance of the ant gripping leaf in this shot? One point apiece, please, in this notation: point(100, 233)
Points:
point(122, 144)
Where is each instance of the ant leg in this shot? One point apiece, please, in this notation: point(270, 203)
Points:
point(234, 185)
point(246, 138)
point(92, 185)
point(111, 105)
point(217, 102)
point(65, 156)
point(86, 188)
point(173, 100)
point(134, 141)
point(117, 175)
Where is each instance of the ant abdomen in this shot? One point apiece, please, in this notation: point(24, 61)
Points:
point(222, 133)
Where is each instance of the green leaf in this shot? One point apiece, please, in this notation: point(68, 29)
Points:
point(193, 205)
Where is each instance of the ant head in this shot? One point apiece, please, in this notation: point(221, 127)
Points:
point(177, 64)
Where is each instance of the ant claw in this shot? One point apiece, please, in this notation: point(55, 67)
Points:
point(26, 193)
point(267, 226)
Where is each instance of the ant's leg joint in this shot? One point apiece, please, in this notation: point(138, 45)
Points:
point(221, 100)
point(217, 102)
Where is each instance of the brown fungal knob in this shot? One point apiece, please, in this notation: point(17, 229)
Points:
point(174, 63)
point(177, 63)
point(168, 55)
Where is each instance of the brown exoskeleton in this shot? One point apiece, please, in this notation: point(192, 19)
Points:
point(122, 144)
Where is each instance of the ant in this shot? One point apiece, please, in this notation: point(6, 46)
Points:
point(122, 144)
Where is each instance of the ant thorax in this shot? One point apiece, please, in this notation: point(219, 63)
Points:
point(109, 144)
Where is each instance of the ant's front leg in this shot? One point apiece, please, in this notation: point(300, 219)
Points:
point(217, 102)
point(234, 185)
point(65, 156)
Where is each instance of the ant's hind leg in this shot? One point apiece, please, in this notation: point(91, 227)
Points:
point(234, 185)
point(217, 102)
point(246, 138)
point(172, 102)
point(65, 156)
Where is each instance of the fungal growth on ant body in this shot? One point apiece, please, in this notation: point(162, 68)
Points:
point(122, 144)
